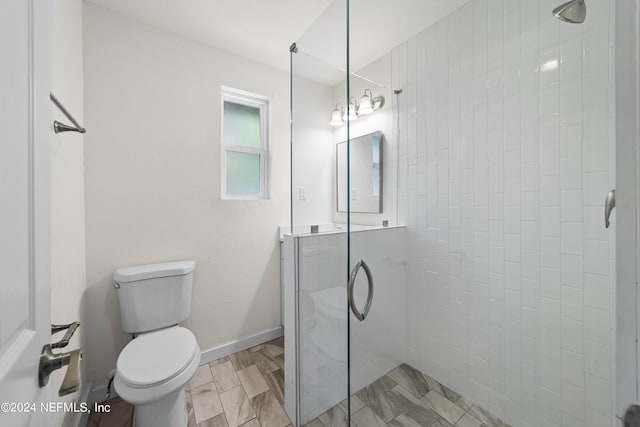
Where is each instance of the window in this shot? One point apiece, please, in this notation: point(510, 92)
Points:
point(244, 144)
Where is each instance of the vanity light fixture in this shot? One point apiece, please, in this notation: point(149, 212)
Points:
point(336, 116)
point(369, 104)
point(351, 112)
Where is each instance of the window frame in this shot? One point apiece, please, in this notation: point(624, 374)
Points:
point(242, 97)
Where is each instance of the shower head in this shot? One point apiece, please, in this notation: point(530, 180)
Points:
point(574, 11)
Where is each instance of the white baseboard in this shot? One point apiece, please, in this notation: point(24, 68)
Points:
point(96, 391)
point(241, 344)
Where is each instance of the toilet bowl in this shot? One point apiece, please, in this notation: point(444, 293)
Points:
point(154, 367)
point(152, 371)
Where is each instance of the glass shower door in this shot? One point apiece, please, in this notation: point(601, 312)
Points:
point(316, 330)
point(377, 290)
point(344, 255)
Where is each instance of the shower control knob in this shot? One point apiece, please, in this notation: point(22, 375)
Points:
point(632, 416)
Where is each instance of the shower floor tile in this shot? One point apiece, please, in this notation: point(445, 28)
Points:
point(406, 397)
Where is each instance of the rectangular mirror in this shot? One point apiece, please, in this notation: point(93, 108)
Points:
point(366, 174)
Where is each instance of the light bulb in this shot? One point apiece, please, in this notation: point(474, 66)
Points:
point(366, 103)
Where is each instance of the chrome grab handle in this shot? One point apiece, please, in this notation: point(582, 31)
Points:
point(609, 204)
point(352, 282)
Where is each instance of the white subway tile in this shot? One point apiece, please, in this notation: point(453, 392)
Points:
point(596, 291)
point(571, 173)
point(596, 256)
point(530, 176)
point(597, 419)
point(570, 142)
point(550, 284)
point(573, 400)
point(598, 395)
point(572, 305)
point(530, 235)
point(596, 187)
point(596, 121)
point(597, 359)
point(550, 191)
point(550, 222)
point(550, 313)
point(572, 206)
point(550, 252)
point(596, 155)
point(550, 344)
point(597, 325)
point(571, 238)
point(573, 368)
point(512, 219)
point(530, 264)
point(551, 375)
point(505, 172)
point(572, 268)
point(550, 159)
point(531, 206)
point(571, 335)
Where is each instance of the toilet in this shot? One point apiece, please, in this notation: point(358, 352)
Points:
point(154, 367)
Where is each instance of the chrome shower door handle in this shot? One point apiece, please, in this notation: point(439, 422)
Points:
point(352, 281)
point(609, 204)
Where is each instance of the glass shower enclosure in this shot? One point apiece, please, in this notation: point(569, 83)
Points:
point(447, 262)
point(345, 254)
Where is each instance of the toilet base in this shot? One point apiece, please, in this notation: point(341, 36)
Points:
point(170, 411)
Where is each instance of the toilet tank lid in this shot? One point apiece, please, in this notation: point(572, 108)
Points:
point(153, 271)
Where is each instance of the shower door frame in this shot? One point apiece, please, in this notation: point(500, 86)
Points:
point(627, 82)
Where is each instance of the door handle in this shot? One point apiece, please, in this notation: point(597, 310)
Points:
point(609, 204)
point(352, 282)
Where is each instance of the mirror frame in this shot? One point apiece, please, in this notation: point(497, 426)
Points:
point(380, 197)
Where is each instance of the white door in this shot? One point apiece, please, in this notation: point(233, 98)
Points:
point(25, 138)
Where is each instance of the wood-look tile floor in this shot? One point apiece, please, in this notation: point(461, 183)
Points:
point(406, 397)
point(243, 389)
point(247, 389)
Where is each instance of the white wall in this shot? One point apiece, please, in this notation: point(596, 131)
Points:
point(67, 188)
point(504, 170)
point(152, 159)
point(312, 149)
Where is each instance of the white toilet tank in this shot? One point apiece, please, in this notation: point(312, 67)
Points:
point(154, 296)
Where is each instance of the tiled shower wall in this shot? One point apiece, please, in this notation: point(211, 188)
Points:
point(506, 153)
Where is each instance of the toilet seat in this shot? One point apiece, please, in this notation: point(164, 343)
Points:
point(156, 357)
point(156, 364)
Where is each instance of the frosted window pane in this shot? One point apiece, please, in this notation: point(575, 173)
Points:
point(243, 174)
point(241, 124)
